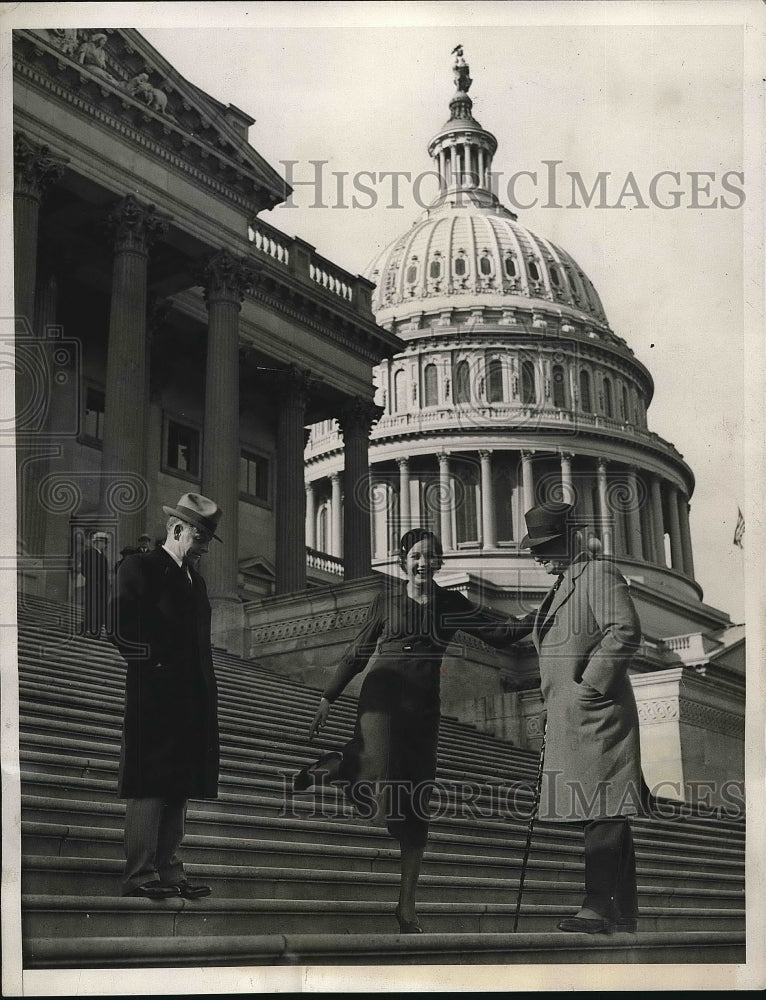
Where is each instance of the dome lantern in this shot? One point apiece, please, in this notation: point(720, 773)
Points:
point(462, 150)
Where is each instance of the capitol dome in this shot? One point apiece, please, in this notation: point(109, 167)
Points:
point(469, 248)
point(511, 389)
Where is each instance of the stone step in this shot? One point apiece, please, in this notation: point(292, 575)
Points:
point(37, 694)
point(107, 916)
point(560, 844)
point(100, 876)
point(259, 796)
point(390, 949)
point(56, 839)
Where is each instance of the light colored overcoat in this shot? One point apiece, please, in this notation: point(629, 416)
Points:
point(586, 633)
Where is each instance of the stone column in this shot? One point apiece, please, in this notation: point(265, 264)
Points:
point(658, 521)
point(293, 389)
point(528, 482)
point(488, 519)
point(676, 551)
point(35, 170)
point(134, 227)
point(311, 516)
point(356, 420)
point(567, 489)
point(605, 514)
point(445, 501)
point(686, 538)
point(405, 506)
point(634, 515)
point(336, 509)
point(225, 279)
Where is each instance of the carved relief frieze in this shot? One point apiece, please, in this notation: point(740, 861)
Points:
point(311, 625)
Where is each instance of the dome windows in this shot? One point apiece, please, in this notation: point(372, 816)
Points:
point(495, 381)
point(586, 404)
point(608, 398)
point(486, 266)
point(533, 270)
point(430, 385)
point(411, 275)
point(435, 267)
point(460, 268)
point(463, 383)
point(510, 266)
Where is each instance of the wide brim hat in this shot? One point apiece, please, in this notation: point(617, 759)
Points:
point(199, 511)
point(546, 522)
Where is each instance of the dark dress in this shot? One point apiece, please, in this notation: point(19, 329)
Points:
point(402, 645)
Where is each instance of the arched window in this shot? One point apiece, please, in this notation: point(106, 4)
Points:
point(460, 266)
point(559, 387)
point(608, 398)
point(585, 400)
point(435, 267)
point(431, 385)
point(528, 390)
point(485, 263)
point(510, 266)
point(400, 391)
point(625, 404)
point(463, 383)
point(495, 381)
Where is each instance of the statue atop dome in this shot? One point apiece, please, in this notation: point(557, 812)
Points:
point(461, 70)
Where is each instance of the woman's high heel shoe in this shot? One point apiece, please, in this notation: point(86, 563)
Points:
point(407, 926)
point(314, 773)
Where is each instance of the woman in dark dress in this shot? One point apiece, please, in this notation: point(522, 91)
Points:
point(394, 745)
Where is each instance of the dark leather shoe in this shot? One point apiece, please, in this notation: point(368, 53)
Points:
point(585, 925)
point(313, 774)
point(192, 890)
point(154, 890)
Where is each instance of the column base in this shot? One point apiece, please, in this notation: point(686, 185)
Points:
point(227, 629)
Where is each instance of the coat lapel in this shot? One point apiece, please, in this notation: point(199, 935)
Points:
point(549, 608)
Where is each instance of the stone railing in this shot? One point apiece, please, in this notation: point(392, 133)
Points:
point(324, 561)
point(301, 260)
point(516, 418)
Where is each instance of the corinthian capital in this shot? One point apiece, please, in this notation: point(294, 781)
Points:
point(358, 416)
point(135, 226)
point(35, 167)
point(225, 276)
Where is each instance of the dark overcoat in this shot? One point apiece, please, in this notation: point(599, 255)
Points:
point(94, 566)
point(586, 633)
point(170, 732)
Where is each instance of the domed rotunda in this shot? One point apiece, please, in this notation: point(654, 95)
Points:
point(512, 388)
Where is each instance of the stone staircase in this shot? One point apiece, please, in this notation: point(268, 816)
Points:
point(296, 878)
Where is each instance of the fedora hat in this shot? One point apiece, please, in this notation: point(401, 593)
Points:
point(198, 511)
point(548, 521)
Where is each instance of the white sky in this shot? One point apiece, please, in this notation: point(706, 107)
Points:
point(598, 98)
point(364, 87)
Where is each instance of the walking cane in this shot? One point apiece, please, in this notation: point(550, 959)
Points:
point(533, 816)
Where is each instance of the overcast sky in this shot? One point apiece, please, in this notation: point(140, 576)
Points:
point(629, 100)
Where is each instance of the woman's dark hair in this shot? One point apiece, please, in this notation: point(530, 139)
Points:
point(412, 537)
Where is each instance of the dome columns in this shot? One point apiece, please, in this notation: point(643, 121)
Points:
point(488, 520)
point(446, 505)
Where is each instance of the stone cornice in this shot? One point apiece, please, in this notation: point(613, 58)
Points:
point(62, 78)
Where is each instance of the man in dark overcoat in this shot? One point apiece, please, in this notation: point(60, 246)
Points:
point(170, 749)
point(94, 567)
point(586, 631)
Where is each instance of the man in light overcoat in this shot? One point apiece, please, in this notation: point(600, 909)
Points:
point(170, 750)
point(586, 631)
